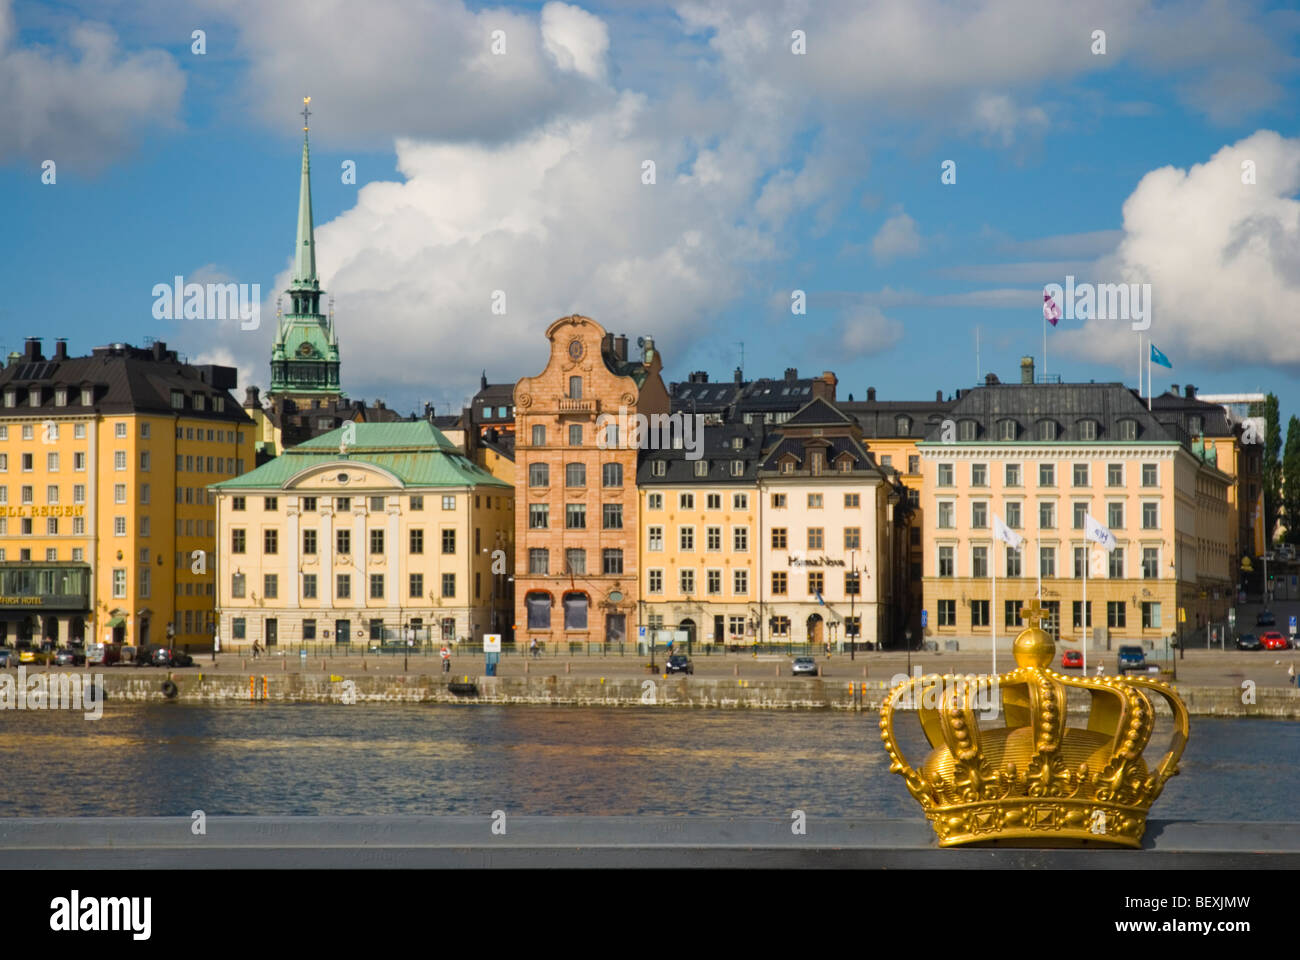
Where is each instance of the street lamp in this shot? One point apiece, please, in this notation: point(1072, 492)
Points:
point(852, 624)
point(908, 634)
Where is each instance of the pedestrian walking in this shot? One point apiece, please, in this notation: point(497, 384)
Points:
point(446, 659)
point(256, 649)
point(1101, 668)
point(532, 647)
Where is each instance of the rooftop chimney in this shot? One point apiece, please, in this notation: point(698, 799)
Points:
point(620, 347)
point(938, 396)
point(740, 375)
point(791, 374)
point(824, 386)
point(1189, 392)
point(32, 349)
point(61, 348)
point(990, 379)
point(251, 400)
point(1026, 369)
point(1173, 389)
point(871, 394)
point(698, 376)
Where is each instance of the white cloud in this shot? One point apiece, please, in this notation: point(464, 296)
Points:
point(897, 237)
point(1222, 258)
point(866, 331)
point(82, 105)
point(577, 40)
point(997, 117)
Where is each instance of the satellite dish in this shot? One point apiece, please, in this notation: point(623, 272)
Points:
point(640, 343)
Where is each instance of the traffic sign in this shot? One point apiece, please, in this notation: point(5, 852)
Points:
point(491, 643)
point(925, 615)
point(640, 633)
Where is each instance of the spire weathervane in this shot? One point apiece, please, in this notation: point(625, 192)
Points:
point(305, 113)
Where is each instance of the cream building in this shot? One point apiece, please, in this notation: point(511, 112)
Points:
point(361, 535)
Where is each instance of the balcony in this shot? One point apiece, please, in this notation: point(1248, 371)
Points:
point(571, 405)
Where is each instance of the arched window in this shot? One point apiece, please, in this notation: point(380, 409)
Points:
point(539, 611)
point(903, 426)
point(575, 611)
point(1047, 430)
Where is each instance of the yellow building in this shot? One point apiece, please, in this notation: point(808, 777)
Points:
point(361, 535)
point(1040, 458)
point(106, 530)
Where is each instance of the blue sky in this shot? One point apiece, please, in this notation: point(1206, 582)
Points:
point(775, 172)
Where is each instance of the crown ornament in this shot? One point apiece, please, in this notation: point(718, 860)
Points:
point(1036, 782)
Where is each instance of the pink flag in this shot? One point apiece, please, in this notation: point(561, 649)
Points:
point(1050, 310)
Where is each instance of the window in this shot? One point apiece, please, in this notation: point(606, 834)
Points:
point(979, 514)
point(816, 584)
point(575, 516)
point(656, 581)
point(119, 460)
point(686, 501)
point(1116, 614)
point(343, 542)
point(1080, 558)
point(52, 494)
point(539, 611)
point(238, 586)
point(979, 557)
point(448, 541)
point(1047, 474)
point(778, 538)
point(947, 519)
point(611, 475)
point(539, 436)
point(52, 463)
point(1080, 513)
point(238, 540)
point(1013, 561)
point(1116, 565)
point(852, 538)
point(27, 494)
point(119, 430)
point(343, 586)
point(658, 468)
point(654, 501)
point(449, 503)
point(947, 565)
point(1047, 515)
point(575, 388)
point(1114, 474)
point(575, 434)
point(967, 430)
point(1047, 559)
point(1006, 430)
point(947, 613)
point(780, 582)
point(686, 538)
point(415, 539)
point(816, 538)
point(1115, 516)
point(655, 539)
point(713, 501)
point(979, 613)
point(309, 541)
point(701, 468)
point(686, 581)
point(449, 585)
point(740, 501)
point(913, 464)
point(611, 436)
point(309, 586)
point(1195, 426)
point(417, 502)
point(1150, 563)
point(1150, 615)
point(270, 586)
point(740, 582)
point(713, 582)
point(1011, 613)
point(1077, 612)
point(1011, 475)
point(270, 503)
point(780, 625)
point(1128, 430)
point(575, 474)
point(612, 516)
point(119, 530)
point(376, 586)
point(1150, 515)
point(1081, 472)
point(342, 504)
point(902, 426)
point(236, 503)
point(539, 560)
point(713, 539)
point(945, 475)
point(778, 501)
point(1013, 514)
point(309, 629)
point(538, 516)
point(852, 501)
point(575, 611)
point(1150, 476)
point(237, 628)
point(1088, 430)
point(979, 474)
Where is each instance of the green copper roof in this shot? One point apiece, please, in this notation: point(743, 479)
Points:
point(417, 453)
point(304, 258)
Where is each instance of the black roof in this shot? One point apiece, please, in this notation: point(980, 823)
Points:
point(880, 418)
point(718, 452)
point(122, 379)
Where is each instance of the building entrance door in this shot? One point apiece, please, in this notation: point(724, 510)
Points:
point(272, 632)
point(816, 629)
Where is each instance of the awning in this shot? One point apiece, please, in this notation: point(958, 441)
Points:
point(117, 622)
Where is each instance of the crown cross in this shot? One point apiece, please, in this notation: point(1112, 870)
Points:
point(1032, 613)
point(305, 112)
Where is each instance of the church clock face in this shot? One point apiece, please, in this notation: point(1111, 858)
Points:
point(575, 349)
point(305, 350)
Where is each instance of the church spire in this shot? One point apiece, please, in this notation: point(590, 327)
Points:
point(304, 258)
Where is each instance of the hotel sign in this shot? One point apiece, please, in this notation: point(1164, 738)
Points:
point(43, 511)
point(822, 561)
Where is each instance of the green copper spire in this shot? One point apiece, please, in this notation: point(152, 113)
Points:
point(304, 258)
point(305, 355)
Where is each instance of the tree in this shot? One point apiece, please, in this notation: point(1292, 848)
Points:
point(1290, 499)
point(1272, 468)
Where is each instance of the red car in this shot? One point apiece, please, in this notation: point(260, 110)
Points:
point(1275, 641)
point(1072, 658)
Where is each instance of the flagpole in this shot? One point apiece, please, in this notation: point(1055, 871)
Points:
point(1148, 381)
point(993, 613)
point(1044, 347)
point(1139, 364)
point(1083, 617)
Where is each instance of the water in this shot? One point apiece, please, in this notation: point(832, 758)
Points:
point(323, 759)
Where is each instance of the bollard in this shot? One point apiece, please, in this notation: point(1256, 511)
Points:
point(263, 686)
point(322, 664)
point(252, 689)
point(735, 669)
point(243, 664)
point(284, 664)
point(864, 669)
point(567, 666)
point(776, 670)
point(525, 668)
point(363, 664)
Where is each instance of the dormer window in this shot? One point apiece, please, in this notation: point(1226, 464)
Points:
point(1047, 430)
point(87, 396)
point(787, 466)
point(903, 426)
point(1087, 430)
point(11, 398)
point(199, 402)
point(178, 400)
point(34, 396)
point(658, 468)
point(61, 397)
point(817, 462)
point(1006, 430)
point(701, 468)
point(966, 430)
point(846, 464)
point(737, 443)
point(1195, 425)
point(1128, 430)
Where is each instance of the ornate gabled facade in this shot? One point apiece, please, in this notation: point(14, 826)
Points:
point(305, 355)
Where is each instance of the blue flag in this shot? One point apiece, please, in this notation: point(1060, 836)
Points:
point(1160, 358)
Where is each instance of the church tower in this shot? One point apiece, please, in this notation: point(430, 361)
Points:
point(305, 355)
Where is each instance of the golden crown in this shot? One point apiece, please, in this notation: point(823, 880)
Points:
point(1036, 781)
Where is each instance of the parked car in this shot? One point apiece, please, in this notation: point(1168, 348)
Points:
point(1265, 618)
point(679, 663)
point(103, 654)
point(1131, 658)
point(1072, 659)
point(1248, 641)
point(8, 658)
point(70, 657)
point(169, 657)
point(129, 656)
point(803, 667)
point(1273, 640)
point(27, 655)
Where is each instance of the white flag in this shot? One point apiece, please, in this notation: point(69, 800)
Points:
point(1006, 534)
point(1095, 531)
